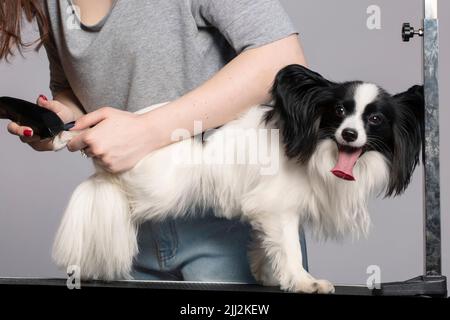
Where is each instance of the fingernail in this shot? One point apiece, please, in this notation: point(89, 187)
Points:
point(43, 97)
point(27, 133)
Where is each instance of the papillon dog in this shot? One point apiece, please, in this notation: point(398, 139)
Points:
point(339, 144)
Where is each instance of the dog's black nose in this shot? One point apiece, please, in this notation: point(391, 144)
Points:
point(349, 134)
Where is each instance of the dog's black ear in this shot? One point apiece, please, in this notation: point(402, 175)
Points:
point(408, 129)
point(299, 95)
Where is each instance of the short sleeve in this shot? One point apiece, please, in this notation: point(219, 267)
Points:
point(246, 24)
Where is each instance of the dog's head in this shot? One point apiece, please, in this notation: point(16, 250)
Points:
point(358, 116)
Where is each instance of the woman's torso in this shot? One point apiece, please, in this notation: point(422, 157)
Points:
point(141, 53)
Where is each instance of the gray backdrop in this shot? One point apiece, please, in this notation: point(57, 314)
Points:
point(35, 187)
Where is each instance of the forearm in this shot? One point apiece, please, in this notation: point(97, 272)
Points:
point(244, 82)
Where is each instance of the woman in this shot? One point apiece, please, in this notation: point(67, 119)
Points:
point(212, 59)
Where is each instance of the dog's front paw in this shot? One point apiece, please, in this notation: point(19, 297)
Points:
point(311, 285)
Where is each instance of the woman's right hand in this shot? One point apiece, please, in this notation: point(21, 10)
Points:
point(26, 133)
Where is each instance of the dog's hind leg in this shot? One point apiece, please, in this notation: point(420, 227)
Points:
point(96, 233)
point(276, 256)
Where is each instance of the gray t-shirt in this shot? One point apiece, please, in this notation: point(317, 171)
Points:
point(150, 51)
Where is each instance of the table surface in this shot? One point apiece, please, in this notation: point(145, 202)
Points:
point(172, 285)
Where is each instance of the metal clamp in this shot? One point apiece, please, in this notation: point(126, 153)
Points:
point(409, 32)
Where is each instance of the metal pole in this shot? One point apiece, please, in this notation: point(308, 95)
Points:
point(432, 214)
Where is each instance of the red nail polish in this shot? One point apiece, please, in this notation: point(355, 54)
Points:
point(27, 133)
point(43, 97)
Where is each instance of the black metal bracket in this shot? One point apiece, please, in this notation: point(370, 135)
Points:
point(430, 286)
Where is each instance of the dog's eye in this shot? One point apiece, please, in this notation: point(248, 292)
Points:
point(340, 111)
point(375, 119)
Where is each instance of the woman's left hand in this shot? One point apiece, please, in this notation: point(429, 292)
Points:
point(119, 140)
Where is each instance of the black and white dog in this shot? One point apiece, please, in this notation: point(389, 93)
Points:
point(340, 143)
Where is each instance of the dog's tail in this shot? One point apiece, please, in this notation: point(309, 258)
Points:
point(97, 234)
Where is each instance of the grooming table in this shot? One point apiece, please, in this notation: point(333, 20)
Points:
point(434, 287)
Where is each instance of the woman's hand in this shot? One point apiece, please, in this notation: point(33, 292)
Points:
point(26, 133)
point(118, 141)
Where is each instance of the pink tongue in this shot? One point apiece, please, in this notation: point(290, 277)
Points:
point(346, 161)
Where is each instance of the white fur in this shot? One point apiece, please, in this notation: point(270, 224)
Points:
point(98, 231)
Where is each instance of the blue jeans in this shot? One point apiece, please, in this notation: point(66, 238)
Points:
point(196, 249)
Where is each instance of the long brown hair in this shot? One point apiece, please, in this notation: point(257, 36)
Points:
point(12, 13)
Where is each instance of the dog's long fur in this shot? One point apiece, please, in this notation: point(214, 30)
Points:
point(98, 231)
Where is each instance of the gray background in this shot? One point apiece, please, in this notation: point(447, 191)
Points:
point(35, 187)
